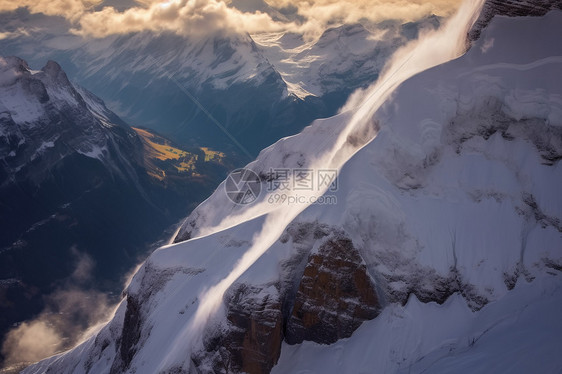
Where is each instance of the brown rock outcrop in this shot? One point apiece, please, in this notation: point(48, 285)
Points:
point(335, 295)
point(511, 8)
point(251, 341)
point(326, 301)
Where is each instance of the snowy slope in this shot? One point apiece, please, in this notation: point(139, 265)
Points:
point(453, 208)
point(216, 61)
point(459, 183)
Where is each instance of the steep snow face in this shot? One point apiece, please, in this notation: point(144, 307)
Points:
point(478, 153)
point(454, 203)
point(216, 61)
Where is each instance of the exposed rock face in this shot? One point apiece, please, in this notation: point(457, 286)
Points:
point(251, 342)
point(335, 295)
point(511, 8)
point(545, 136)
point(324, 294)
point(131, 334)
point(324, 300)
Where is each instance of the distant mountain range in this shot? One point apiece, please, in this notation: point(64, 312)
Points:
point(183, 87)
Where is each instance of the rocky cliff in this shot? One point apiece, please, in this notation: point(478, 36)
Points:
point(511, 8)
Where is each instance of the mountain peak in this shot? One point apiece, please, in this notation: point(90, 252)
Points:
point(11, 68)
point(55, 72)
point(52, 68)
point(13, 62)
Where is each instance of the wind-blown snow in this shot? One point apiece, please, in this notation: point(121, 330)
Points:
point(394, 218)
point(430, 51)
point(326, 140)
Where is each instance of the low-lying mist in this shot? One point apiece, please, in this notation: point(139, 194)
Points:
point(72, 312)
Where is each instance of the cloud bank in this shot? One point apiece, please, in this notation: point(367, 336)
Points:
point(69, 314)
point(186, 17)
point(70, 9)
point(202, 17)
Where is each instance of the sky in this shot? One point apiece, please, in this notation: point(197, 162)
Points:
point(98, 18)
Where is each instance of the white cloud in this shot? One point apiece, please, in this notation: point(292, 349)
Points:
point(71, 9)
point(186, 17)
point(202, 17)
point(13, 34)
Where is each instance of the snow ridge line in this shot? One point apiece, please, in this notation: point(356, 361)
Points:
point(518, 67)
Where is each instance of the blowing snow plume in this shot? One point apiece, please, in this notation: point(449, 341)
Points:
point(329, 143)
point(431, 49)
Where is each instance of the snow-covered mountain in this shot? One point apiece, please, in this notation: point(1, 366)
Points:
point(42, 110)
point(439, 250)
point(161, 81)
